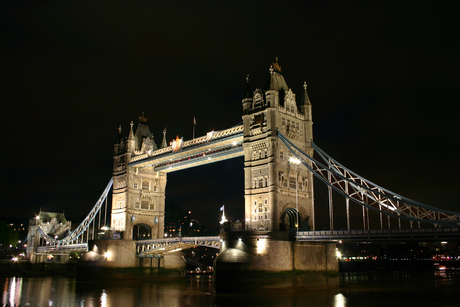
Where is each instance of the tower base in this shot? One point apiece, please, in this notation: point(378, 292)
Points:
point(251, 261)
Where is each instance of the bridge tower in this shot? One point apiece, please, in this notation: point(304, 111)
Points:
point(270, 178)
point(138, 199)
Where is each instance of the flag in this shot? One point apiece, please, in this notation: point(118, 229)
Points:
point(222, 208)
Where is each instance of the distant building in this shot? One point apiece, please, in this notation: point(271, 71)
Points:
point(180, 223)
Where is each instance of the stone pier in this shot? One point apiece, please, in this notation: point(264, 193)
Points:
point(122, 254)
point(251, 261)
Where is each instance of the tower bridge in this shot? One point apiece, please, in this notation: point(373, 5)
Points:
point(280, 162)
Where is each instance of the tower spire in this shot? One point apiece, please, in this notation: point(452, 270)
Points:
point(164, 143)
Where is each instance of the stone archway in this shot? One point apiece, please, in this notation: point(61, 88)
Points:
point(291, 219)
point(141, 232)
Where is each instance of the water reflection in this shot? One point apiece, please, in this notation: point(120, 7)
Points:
point(12, 290)
point(339, 300)
point(358, 289)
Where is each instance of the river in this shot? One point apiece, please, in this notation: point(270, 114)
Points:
point(389, 289)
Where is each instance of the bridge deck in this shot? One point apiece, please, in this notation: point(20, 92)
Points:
point(379, 234)
point(216, 146)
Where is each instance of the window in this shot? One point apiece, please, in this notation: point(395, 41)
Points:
point(152, 207)
point(283, 121)
point(297, 126)
point(135, 185)
point(120, 204)
point(292, 183)
point(281, 154)
point(137, 205)
point(144, 205)
point(145, 185)
point(260, 207)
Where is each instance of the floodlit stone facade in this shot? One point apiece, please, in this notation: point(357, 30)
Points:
point(270, 179)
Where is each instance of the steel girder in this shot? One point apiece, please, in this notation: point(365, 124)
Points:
point(74, 235)
point(367, 193)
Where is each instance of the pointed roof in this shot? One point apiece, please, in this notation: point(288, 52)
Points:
point(276, 80)
point(305, 99)
point(248, 93)
point(119, 137)
point(163, 142)
point(143, 133)
point(131, 134)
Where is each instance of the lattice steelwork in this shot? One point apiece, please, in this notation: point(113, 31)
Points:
point(78, 235)
point(146, 248)
point(368, 194)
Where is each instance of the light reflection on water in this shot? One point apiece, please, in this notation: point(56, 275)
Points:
point(358, 289)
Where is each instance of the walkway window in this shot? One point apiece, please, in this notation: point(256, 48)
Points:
point(292, 183)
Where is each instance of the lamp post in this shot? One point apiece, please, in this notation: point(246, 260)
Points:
point(296, 162)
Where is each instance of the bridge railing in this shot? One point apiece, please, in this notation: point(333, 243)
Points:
point(372, 233)
point(144, 246)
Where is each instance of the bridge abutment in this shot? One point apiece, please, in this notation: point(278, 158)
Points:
point(251, 261)
point(122, 254)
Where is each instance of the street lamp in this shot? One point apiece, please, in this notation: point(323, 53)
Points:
point(296, 162)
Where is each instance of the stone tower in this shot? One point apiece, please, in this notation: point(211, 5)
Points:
point(270, 177)
point(138, 199)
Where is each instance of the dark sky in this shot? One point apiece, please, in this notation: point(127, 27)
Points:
point(383, 80)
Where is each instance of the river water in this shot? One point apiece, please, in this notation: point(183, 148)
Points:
point(389, 289)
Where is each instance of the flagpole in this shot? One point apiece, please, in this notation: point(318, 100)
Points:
point(194, 123)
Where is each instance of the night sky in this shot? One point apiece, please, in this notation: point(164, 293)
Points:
point(383, 79)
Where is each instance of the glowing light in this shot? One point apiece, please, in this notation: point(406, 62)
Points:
point(340, 300)
point(294, 160)
point(107, 255)
point(337, 253)
point(103, 299)
point(261, 245)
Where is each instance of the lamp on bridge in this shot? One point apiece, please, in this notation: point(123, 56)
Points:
point(294, 161)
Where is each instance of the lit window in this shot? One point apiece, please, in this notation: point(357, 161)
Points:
point(292, 183)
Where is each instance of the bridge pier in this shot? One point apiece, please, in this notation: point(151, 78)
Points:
point(122, 254)
point(251, 261)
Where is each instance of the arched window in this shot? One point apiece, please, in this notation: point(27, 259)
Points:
point(145, 185)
